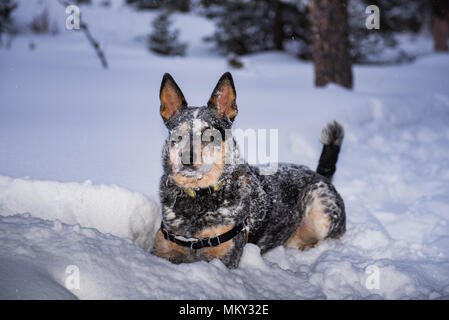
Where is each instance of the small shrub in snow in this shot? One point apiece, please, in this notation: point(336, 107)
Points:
point(162, 40)
point(40, 22)
point(235, 62)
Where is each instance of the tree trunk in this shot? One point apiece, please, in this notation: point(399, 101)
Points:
point(278, 32)
point(330, 42)
point(440, 25)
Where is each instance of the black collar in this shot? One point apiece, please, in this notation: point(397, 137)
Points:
point(195, 243)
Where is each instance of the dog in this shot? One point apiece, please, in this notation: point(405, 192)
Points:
point(212, 204)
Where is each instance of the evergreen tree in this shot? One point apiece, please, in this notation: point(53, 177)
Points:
point(400, 15)
point(162, 40)
point(6, 8)
point(246, 30)
point(244, 26)
point(251, 26)
point(396, 16)
point(145, 4)
point(174, 5)
point(178, 5)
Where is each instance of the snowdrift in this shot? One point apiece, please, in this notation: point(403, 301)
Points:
point(64, 122)
point(39, 249)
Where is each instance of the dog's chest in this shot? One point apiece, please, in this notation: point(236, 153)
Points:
point(193, 218)
point(203, 216)
point(189, 215)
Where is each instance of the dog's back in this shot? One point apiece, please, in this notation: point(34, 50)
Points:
point(302, 200)
point(291, 194)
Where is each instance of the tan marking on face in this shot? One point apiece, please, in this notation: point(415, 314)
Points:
point(168, 250)
point(312, 229)
point(219, 251)
point(207, 179)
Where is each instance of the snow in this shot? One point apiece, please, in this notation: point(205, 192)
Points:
point(110, 209)
point(80, 166)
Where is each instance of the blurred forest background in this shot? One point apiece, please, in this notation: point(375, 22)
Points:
point(244, 27)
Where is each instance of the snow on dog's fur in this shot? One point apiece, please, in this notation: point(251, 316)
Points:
point(202, 195)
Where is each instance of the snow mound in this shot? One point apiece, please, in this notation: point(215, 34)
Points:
point(38, 258)
point(89, 229)
point(110, 209)
point(114, 268)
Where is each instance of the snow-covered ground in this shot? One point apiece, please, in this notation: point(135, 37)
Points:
point(80, 166)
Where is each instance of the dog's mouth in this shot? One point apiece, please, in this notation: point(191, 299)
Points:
point(203, 172)
point(193, 170)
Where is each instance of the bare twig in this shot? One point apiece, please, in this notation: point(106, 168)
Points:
point(95, 44)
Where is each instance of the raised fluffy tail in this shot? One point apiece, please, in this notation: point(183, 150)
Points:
point(331, 138)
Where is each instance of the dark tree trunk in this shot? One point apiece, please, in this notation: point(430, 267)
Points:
point(278, 32)
point(330, 42)
point(440, 24)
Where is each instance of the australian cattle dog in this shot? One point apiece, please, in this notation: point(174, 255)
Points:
point(213, 203)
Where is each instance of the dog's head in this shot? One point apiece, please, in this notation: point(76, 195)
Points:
point(197, 148)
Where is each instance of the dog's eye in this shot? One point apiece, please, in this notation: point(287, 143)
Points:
point(208, 139)
point(176, 140)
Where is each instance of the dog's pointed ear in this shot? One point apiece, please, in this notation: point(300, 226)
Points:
point(172, 99)
point(223, 97)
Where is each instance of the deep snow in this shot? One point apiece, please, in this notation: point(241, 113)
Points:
point(80, 166)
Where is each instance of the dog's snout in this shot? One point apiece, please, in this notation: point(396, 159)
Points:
point(188, 161)
point(191, 157)
point(188, 155)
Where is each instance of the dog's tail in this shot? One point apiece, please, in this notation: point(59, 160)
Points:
point(331, 138)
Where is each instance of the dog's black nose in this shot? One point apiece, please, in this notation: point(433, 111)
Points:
point(188, 162)
point(191, 157)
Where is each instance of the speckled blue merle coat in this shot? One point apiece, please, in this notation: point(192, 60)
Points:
point(295, 207)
